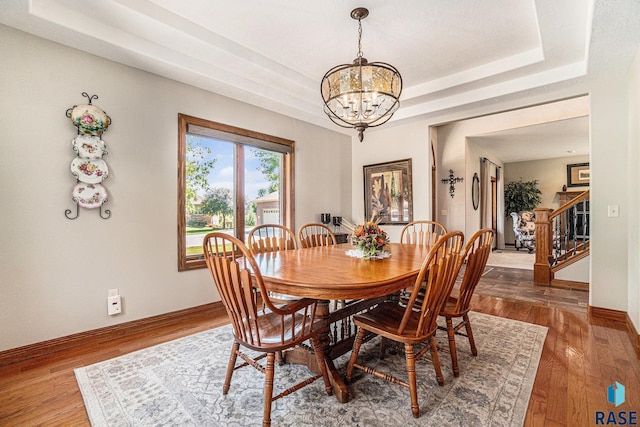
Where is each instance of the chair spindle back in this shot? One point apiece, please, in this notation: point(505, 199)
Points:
point(434, 282)
point(425, 233)
point(476, 255)
point(271, 238)
point(312, 235)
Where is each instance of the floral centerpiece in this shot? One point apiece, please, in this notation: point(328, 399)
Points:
point(368, 239)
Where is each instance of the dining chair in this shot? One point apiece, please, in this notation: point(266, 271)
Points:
point(413, 323)
point(476, 254)
point(422, 232)
point(311, 235)
point(316, 234)
point(271, 238)
point(237, 275)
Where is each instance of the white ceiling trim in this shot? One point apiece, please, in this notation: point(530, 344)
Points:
point(143, 34)
point(542, 79)
point(500, 66)
point(273, 54)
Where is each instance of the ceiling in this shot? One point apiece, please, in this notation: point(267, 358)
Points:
point(452, 54)
point(560, 138)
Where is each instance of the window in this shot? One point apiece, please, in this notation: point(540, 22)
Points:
point(230, 180)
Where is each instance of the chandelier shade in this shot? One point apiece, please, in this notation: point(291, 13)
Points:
point(362, 94)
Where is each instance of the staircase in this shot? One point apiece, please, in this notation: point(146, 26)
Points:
point(562, 238)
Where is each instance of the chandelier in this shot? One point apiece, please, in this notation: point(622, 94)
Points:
point(362, 94)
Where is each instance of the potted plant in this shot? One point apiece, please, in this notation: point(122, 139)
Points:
point(520, 196)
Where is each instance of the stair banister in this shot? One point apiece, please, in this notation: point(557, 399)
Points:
point(544, 233)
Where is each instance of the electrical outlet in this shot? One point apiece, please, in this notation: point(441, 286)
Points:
point(613, 211)
point(113, 293)
point(114, 305)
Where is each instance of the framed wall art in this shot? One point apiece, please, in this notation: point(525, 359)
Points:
point(388, 197)
point(578, 175)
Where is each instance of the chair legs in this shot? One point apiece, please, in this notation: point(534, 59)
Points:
point(436, 360)
point(268, 389)
point(268, 381)
point(321, 364)
point(269, 374)
point(230, 367)
point(452, 347)
point(451, 332)
point(354, 353)
point(383, 348)
point(472, 343)
point(411, 368)
point(411, 375)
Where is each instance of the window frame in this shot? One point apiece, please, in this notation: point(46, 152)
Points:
point(185, 262)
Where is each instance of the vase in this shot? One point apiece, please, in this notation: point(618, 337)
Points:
point(379, 253)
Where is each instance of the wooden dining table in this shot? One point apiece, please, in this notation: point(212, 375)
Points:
point(347, 284)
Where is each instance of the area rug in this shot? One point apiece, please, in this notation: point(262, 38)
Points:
point(512, 259)
point(179, 383)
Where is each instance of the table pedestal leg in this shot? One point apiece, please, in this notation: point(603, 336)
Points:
point(340, 389)
point(303, 355)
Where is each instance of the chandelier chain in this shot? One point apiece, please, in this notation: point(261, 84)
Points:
point(359, 38)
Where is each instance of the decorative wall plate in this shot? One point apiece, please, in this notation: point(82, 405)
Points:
point(90, 119)
point(89, 147)
point(89, 171)
point(89, 196)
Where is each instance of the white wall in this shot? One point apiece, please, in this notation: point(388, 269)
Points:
point(452, 155)
point(55, 272)
point(633, 195)
point(390, 143)
point(576, 272)
point(609, 128)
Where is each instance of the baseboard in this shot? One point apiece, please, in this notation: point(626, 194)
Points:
point(608, 314)
point(97, 336)
point(618, 316)
point(633, 334)
point(569, 284)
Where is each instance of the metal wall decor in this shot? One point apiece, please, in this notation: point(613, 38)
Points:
point(475, 191)
point(452, 181)
point(88, 167)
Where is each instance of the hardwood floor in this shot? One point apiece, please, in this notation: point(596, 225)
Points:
point(517, 284)
point(580, 359)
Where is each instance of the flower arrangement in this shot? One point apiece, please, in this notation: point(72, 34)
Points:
point(368, 238)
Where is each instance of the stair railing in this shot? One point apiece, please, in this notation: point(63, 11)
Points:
point(562, 237)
